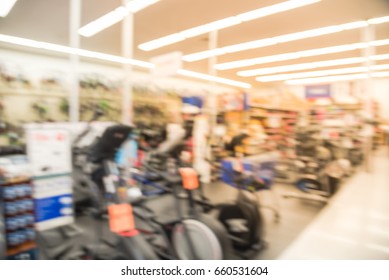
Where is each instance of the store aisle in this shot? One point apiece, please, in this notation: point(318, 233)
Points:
point(355, 224)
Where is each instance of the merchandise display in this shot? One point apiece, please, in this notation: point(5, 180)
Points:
point(230, 130)
point(18, 211)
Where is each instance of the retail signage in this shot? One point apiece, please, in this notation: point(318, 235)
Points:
point(53, 202)
point(167, 64)
point(318, 91)
point(49, 153)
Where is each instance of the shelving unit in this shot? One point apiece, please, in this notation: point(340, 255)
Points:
point(17, 210)
point(17, 103)
point(278, 132)
point(33, 92)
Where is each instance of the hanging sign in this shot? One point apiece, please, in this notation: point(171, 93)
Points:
point(167, 64)
point(318, 91)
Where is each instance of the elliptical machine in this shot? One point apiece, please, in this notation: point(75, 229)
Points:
point(242, 217)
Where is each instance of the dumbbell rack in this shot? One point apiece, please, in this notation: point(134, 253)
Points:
point(17, 212)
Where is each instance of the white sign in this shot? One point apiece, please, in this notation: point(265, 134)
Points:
point(49, 151)
point(53, 201)
point(167, 64)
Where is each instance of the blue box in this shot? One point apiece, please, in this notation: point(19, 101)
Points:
point(263, 172)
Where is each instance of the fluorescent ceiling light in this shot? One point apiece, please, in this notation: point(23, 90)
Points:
point(6, 6)
point(300, 54)
point(279, 39)
point(135, 6)
point(114, 17)
point(168, 39)
point(213, 78)
point(310, 65)
point(103, 22)
point(380, 67)
point(299, 67)
point(205, 54)
point(284, 77)
point(247, 46)
point(378, 20)
point(336, 78)
point(379, 43)
point(112, 58)
point(68, 50)
point(227, 22)
point(380, 57)
point(327, 79)
point(274, 9)
point(195, 31)
point(380, 74)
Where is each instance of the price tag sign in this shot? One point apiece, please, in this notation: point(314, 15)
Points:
point(121, 218)
point(49, 151)
point(190, 178)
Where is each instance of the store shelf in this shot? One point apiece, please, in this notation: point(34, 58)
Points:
point(16, 180)
point(23, 248)
point(107, 98)
point(23, 92)
point(274, 108)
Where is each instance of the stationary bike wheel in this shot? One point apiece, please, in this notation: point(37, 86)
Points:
point(206, 245)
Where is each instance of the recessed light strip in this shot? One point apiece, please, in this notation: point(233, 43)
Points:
point(380, 74)
point(213, 78)
point(112, 58)
point(296, 55)
point(68, 50)
point(309, 65)
point(284, 77)
point(282, 39)
point(224, 23)
point(329, 79)
point(114, 16)
point(6, 6)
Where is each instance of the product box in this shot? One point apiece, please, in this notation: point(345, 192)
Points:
point(257, 172)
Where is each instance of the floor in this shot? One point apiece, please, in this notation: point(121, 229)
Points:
point(355, 225)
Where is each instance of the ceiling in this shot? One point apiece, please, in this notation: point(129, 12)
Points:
point(48, 21)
